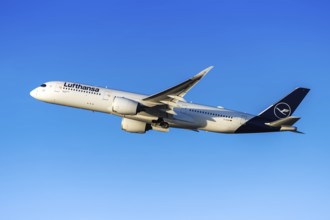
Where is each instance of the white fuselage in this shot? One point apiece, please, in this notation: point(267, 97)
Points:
point(188, 115)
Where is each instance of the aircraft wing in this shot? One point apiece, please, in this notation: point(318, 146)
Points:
point(172, 95)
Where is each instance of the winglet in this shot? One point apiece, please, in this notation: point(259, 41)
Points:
point(202, 73)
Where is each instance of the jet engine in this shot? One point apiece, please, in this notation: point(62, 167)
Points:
point(134, 126)
point(125, 106)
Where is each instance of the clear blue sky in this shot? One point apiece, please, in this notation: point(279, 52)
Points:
point(62, 163)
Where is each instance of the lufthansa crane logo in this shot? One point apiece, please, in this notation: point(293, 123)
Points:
point(282, 110)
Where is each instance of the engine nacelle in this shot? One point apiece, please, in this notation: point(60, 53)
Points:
point(125, 106)
point(134, 126)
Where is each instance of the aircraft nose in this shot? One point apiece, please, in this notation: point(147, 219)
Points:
point(33, 93)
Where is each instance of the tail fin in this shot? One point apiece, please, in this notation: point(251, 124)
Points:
point(286, 106)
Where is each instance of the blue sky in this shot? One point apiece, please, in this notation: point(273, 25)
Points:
point(63, 163)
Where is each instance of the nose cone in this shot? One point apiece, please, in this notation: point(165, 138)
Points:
point(33, 93)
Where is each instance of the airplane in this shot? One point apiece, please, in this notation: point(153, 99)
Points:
point(168, 109)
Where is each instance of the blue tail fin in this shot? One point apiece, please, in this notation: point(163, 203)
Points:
point(286, 106)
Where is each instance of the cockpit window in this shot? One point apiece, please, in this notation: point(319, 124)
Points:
point(43, 85)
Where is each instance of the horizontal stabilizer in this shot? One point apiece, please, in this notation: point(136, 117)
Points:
point(289, 121)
